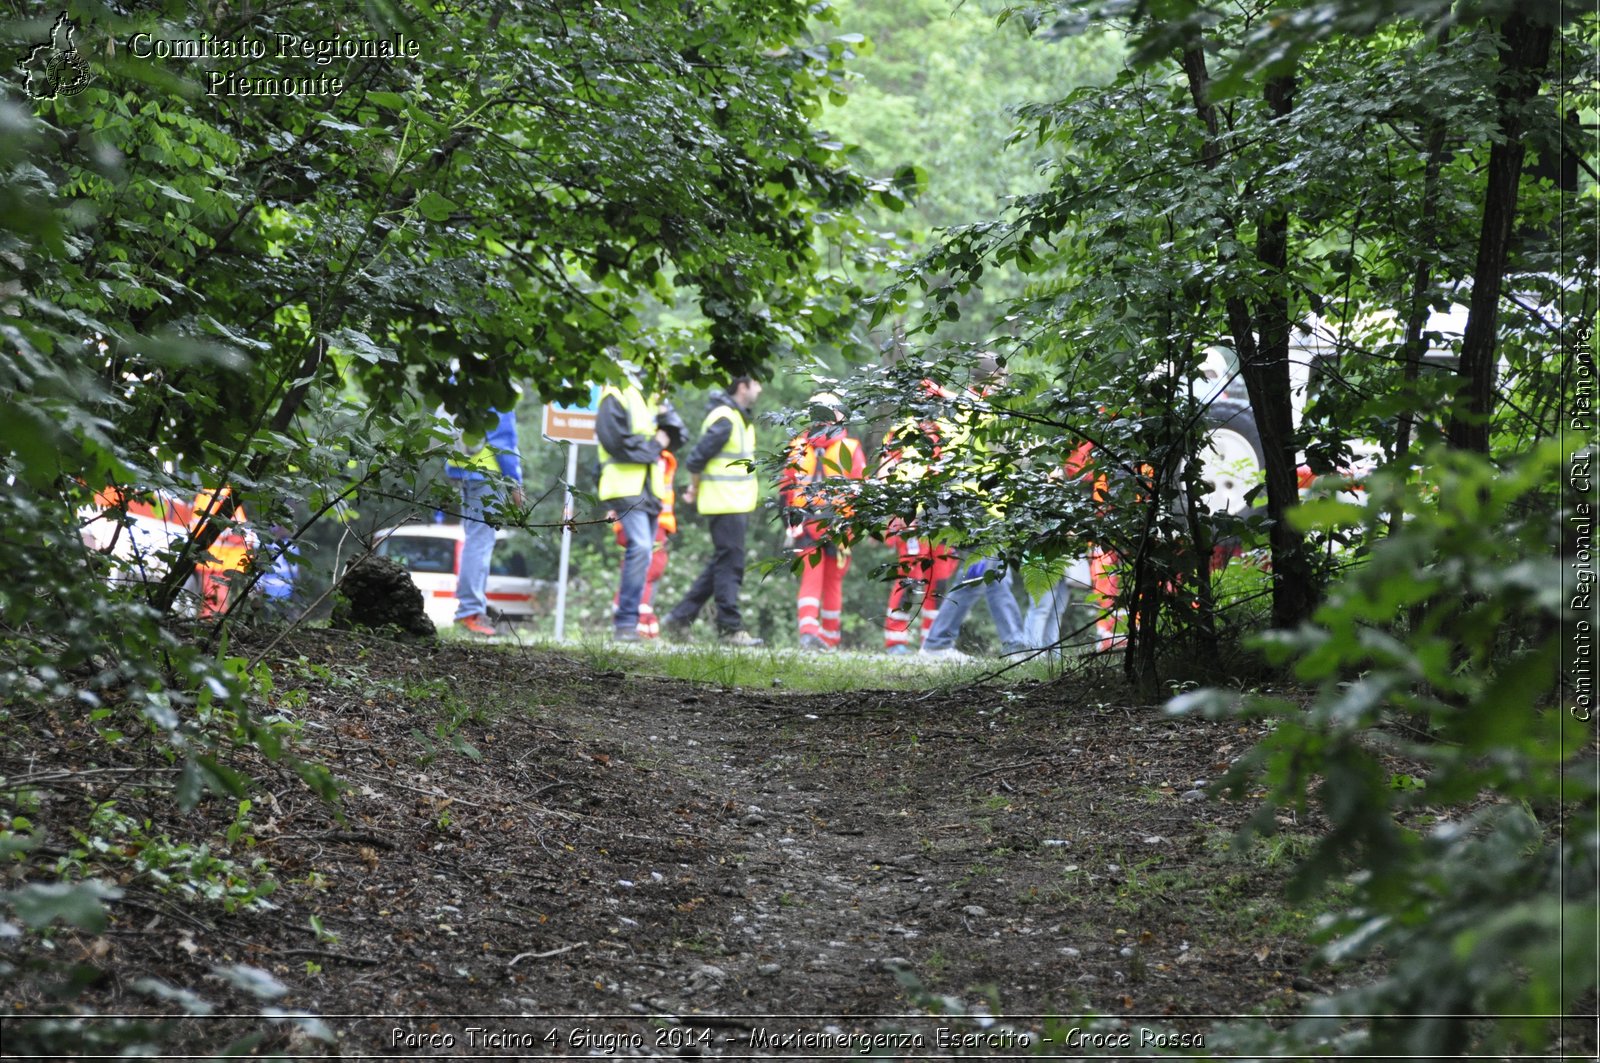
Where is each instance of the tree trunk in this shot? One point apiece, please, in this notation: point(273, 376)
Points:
point(1524, 54)
point(1421, 277)
point(1267, 382)
point(1265, 366)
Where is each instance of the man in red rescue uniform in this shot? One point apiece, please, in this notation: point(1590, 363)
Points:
point(924, 568)
point(819, 460)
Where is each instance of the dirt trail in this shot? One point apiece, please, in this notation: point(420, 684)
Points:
point(634, 866)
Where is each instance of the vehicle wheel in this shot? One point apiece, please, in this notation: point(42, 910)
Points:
point(1232, 459)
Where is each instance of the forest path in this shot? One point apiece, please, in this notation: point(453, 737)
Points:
point(541, 856)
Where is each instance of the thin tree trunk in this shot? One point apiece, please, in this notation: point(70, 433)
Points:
point(1144, 604)
point(1267, 381)
point(1421, 277)
point(1265, 366)
point(1524, 54)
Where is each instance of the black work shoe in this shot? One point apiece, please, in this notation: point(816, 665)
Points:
point(814, 644)
point(740, 638)
point(676, 630)
point(629, 634)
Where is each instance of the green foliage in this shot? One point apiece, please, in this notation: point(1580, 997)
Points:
point(81, 906)
point(77, 904)
point(115, 842)
point(275, 293)
point(1191, 209)
point(1473, 873)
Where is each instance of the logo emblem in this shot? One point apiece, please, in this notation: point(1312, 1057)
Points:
point(55, 68)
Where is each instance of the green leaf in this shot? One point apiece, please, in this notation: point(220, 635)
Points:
point(221, 779)
point(78, 904)
point(435, 207)
point(1324, 514)
point(201, 774)
point(190, 786)
point(253, 980)
point(191, 1003)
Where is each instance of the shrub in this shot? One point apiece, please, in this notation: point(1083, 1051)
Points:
point(1474, 874)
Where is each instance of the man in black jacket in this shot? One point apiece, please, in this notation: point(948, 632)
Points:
point(724, 488)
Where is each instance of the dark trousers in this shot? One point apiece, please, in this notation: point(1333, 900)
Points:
point(722, 577)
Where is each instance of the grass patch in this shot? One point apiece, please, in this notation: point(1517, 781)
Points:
point(777, 669)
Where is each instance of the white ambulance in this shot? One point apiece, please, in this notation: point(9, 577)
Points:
point(431, 553)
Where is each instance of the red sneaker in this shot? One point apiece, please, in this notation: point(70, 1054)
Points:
point(478, 624)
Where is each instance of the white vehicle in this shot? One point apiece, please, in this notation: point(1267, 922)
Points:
point(1233, 459)
point(431, 553)
point(138, 538)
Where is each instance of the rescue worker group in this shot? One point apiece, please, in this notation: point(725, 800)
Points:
point(641, 437)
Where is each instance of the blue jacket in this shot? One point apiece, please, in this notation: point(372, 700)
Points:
point(502, 439)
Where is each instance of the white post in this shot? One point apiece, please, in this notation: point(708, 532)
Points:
point(566, 540)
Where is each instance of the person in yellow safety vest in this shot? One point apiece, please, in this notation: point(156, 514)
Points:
point(479, 461)
point(228, 554)
point(666, 528)
point(724, 488)
point(633, 431)
point(819, 460)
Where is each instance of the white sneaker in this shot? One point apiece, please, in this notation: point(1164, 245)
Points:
point(949, 653)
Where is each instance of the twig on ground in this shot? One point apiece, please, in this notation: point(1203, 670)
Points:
point(49, 778)
point(545, 955)
point(348, 836)
point(322, 954)
point(1008, 767)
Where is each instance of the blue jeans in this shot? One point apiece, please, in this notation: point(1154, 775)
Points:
point(640, 528)
point(1042, 625)
point(472, 578)
point(958, 603)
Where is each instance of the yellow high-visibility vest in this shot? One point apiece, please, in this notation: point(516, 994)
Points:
point(977, 456)
point(915, 446)
point(625, 479)
point(726, 487)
